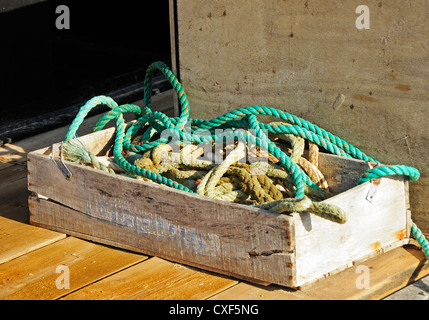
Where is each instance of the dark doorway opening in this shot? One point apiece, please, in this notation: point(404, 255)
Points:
point(48, 73)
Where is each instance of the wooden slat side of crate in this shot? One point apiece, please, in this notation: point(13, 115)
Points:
point(231, 239)
point(154, 219)
point(323, 247)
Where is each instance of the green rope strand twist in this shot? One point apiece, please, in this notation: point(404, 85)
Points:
point(423, 242)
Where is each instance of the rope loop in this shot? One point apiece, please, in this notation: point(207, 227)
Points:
point(184, 131)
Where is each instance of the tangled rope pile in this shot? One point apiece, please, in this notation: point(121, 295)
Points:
point(149, 155)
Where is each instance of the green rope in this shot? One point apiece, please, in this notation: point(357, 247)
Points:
point(382, 171)
point(185, 129)
point(423, 242)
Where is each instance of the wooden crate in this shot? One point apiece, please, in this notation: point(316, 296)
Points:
point(231, 239)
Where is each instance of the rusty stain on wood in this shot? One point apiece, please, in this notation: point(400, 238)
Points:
point(403, 88)
point(364, 98)
point(31, 205)
point(376, 245)
point(400, 234)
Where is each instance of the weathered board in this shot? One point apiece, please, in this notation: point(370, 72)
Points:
point(388, 273)
point(155, 279)
point(232, 239)
point(368, 86)
point(18, 238)
point(34, 276)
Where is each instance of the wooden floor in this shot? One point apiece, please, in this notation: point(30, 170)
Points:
point(35, 261)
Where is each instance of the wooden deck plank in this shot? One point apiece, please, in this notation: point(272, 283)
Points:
point(35, 275)
point(155, 279)
point(14, 193)
point(17, 238)
point(387, 273)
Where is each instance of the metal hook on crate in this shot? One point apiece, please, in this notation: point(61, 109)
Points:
point(59, 162)
point(374, 183)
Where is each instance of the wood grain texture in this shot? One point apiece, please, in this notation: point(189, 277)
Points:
point(300, 56)
point(34, 276)
point(155, 279)
point(341, 173)
point(18, 238)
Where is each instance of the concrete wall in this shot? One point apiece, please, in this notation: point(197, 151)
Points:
point(301, 56)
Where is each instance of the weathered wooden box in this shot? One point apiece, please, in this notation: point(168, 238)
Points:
point(231, 239)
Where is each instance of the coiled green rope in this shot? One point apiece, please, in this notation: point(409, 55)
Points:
point(236, 119)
